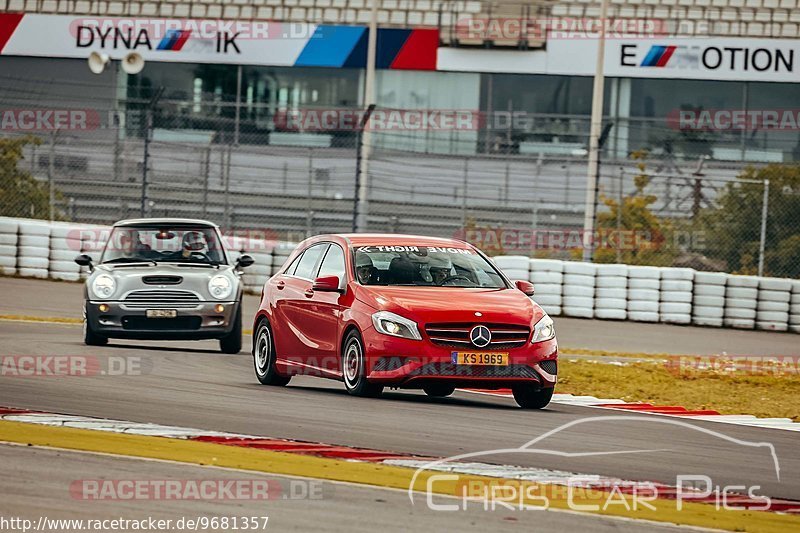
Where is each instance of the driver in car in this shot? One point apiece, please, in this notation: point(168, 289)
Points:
point(440, 268)
point(193, 246)
point(364, 268)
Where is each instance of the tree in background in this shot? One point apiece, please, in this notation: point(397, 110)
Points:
point(734, 227)
point(20, 193)
point(642, 235)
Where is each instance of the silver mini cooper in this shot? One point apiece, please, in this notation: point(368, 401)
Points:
point(164, 278)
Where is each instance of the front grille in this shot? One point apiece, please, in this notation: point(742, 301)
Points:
point(182, 323)
point(456, 335)
point(162, 280)
point(161, 299)
point(550, 366)
point(475, 371)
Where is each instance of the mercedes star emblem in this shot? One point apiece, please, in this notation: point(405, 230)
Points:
point(480, 336)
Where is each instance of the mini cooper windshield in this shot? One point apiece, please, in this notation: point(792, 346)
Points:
point(422, 266)
point(170, 244)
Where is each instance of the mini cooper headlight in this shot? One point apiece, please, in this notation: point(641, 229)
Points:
point(104, 286)
point(220, 286)
point(544, 330)
point(395, 325)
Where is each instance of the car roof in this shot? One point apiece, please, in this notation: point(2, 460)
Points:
point(164, 221)
point(375, 239)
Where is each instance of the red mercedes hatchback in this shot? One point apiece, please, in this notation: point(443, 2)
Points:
point(403, 311)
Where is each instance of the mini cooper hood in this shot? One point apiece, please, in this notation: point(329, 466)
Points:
point(451, 304)
point(132, 276)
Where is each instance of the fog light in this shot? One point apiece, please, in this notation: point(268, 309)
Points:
point(103, 308)
point(219, 308)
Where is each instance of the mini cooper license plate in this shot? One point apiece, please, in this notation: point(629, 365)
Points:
point(480, 358)
point(161, 313)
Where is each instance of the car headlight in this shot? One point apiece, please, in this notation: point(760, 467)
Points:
point(395, 325)
point(104, 286)
point(220, 286)
point(544, 330)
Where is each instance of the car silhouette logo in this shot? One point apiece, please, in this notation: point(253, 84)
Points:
point(480, 336)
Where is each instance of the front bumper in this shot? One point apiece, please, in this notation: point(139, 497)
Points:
point(200, 322)
point(406, 363)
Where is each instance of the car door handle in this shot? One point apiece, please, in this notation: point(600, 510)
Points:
point(309, 293)
point(280, 285)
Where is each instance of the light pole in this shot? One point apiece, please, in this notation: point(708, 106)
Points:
point(365, 135)
point(594, 138)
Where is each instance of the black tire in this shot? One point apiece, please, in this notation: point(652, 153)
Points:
point(90, 338)
point(264, 356)
point(439, 390)
point(531, 397)
point(354, 368)
point(232, 342)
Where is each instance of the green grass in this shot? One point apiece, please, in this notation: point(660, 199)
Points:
point(762, 395)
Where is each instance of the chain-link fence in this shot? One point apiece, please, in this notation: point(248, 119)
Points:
point(510, 187)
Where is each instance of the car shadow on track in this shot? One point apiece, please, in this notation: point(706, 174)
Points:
point(180, 349)
point(410, 397)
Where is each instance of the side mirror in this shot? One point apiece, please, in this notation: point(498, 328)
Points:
point(244, 261)
point(525, 286)
point(85, 261)
point(326, 284)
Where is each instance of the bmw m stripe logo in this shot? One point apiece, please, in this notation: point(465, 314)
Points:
point(174, 40)
point(658, 56)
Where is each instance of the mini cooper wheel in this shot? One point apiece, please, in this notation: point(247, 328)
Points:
point(264, 357)
point(90, 338)
point(530, 397)
point(354, 368)
point(232, 342)
point(439, 390)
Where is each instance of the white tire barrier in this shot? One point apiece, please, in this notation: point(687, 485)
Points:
point(774, 303)
point(611, 283)
point(676, 295)
point(644, 284)
point(515, 274)
point(706, 312)
point(550, 278)
point(741, 301)
point(578, 289)
point(547, 276)
point(512, 262)
point(643, 306)
point(717, 291)
point(546, 265)
point(708, 302)
point(33, 251)
point(643, 316)
point(65, 245)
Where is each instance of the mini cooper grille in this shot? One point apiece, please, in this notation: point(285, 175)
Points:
point(456, 335)
point(153, 299)
point(162, 280)
point(451, 370)
point(549, 366)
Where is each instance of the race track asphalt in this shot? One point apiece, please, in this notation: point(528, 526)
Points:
point(31, 489)
point(191, 384)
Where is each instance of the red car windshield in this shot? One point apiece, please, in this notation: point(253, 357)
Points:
point(424, 266)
